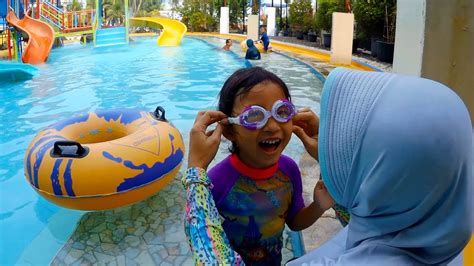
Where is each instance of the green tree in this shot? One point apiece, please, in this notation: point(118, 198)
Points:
point(301, 14)
point(199, 15)
point(369, 19)
point(74, 6)
point(114, 11)
point(324, 13)
point(174, 6)
point(235, 12)
point(375, 18)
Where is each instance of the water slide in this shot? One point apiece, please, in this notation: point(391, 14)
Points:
point(40, 38)
point(172, 33)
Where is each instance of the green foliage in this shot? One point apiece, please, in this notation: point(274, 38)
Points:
point(114, 12)
point(74, 6)
point(301, 14)
point(144, 8)
point(235, 11)
point(199, 15)
point(324, 13)
point(375, 18)
point(151, 6)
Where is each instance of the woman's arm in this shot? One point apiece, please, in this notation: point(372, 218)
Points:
point(202, 224)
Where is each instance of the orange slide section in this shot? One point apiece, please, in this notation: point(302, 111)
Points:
point(40, 38)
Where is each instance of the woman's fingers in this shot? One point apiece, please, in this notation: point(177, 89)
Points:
point(301, 134)
point(206, 118)
point(217, 133)
point(310, 142)
point(307, 120)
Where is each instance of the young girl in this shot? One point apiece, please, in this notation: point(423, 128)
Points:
point(395, 150)
point(257, 189)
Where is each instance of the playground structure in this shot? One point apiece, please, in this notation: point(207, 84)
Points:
point(46, 20)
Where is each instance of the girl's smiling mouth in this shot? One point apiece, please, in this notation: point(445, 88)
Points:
point(269, 145)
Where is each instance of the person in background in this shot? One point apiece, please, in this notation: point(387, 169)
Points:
point(265, 41)
point(228, 45)
point(252, 51)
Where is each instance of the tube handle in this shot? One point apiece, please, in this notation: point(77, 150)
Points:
point(69, 149)
point(159, 114)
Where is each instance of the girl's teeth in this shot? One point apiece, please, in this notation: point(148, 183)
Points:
point(270, 141)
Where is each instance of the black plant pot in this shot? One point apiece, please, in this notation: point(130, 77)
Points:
point(365, 44)
point(312, 37)
point(385, 51)
point(327, 40)
point(299, 35)
point(355, 45)
point(374, 46)
point(286, 33)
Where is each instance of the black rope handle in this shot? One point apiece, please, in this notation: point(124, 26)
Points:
point(159, 114)
point(69, 149)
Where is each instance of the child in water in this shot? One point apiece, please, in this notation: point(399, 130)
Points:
point(256, 189)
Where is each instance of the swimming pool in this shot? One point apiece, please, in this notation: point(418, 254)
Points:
point(79, 79)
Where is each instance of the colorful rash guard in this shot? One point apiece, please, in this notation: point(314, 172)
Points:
point(255, 204)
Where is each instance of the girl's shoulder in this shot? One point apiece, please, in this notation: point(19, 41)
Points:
point(286, 161)
point(223, 176)
point(289, 167)
point(221, 168)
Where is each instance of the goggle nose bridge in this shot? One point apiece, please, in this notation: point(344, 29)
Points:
point(243, 121)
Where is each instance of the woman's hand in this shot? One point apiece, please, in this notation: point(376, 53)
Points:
point(306, 127)
point(321, 196)
point(203, 145)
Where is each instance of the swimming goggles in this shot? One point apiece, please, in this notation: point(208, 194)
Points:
point(255, 117)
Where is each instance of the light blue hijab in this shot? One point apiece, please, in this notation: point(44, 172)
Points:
point(396, 151)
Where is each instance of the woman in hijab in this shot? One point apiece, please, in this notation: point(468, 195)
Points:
point(252, 51)
point(395, 151)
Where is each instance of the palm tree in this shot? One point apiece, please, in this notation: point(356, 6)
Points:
point(114, 11)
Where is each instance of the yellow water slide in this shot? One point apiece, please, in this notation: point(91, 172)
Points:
point(172, 33)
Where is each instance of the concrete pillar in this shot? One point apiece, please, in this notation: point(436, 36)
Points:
point(271, 21)
point(410, 39)
point(435, 40)
point(224, 20)
point(341, 38)
point(252, 27)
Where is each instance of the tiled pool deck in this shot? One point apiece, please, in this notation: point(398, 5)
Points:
point(151, 232)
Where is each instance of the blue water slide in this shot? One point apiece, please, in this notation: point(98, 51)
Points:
point(16, 71)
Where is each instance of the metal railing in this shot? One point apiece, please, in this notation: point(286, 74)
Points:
point(70, 21)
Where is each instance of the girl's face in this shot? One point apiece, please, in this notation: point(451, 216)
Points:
point(262, 147)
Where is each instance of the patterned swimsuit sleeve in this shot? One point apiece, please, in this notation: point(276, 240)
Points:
point(202, 224)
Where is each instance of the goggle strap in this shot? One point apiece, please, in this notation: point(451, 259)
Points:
point(234, 120)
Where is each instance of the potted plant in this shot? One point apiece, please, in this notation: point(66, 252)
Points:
point(312, 36)
point(369, 16)
point(300, 10)
point(324, 18)
point(324, 22)
point(386, 46)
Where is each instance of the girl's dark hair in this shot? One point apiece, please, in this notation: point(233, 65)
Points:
point(241, 82)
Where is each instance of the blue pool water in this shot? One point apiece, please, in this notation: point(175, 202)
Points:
point(78, 79)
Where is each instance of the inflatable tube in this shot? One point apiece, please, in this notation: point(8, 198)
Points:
point(259, 46)
point(104, 160)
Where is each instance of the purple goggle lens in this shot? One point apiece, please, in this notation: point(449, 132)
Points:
point(256, 117)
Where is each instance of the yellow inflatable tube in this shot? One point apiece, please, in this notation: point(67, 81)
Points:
point(259, 46)
point(104, 160)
